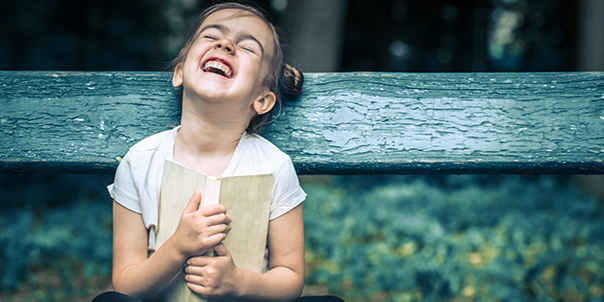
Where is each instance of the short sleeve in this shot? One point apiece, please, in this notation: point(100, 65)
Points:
point(287, 192)
point(124, 190)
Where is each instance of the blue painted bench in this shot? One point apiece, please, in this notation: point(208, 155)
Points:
point(344, 123)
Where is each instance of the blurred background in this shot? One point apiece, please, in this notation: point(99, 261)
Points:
point(368, 238)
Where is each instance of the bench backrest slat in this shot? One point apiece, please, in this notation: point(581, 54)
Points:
point(344, 123)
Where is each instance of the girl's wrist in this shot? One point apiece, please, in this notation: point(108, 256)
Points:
point(173, 249)
point(240, 284)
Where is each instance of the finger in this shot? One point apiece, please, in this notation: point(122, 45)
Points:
point(221, 250)
point(193, 270)
point(194, 279)
point(213, 209)
point(193, 202)
point(214, 239)
point(198, 289)
point(217, 229)
point(218, 219)
point(198, 261)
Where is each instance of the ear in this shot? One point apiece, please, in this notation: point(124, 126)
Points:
point(177, 76)
point(264, 103)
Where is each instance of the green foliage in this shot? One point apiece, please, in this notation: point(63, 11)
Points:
point(369, 238)
point(419, 237)
point(51, 250)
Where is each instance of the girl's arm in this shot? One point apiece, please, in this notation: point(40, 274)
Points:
point(136, 275)
point(218, 276)
point(133, 274)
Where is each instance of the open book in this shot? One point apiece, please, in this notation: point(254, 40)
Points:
point(247, 199)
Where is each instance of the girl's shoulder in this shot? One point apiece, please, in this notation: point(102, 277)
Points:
point(151, 150)
point(262, 144)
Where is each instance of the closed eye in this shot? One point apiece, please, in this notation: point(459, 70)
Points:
point(210, 37)
point(248, 49)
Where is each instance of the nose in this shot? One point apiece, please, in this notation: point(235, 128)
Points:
point(225, 45)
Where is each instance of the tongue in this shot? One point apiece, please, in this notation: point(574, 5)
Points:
point(216, 71)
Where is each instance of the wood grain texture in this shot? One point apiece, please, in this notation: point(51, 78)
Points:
point(344, 123)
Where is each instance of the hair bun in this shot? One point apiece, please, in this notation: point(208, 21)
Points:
point(293, 81)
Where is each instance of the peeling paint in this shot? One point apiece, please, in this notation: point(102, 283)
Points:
point(384, 123)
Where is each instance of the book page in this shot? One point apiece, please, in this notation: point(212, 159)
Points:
point(177, 187)
point(247, 199)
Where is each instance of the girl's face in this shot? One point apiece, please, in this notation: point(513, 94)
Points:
point(229, 61)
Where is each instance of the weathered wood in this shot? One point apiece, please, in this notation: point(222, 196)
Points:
point(357, 123)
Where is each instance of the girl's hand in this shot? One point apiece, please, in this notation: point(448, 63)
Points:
point(200, 229)
point(213, 276)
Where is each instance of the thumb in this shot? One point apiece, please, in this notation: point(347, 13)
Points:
point(193, 202)
point(221, 250)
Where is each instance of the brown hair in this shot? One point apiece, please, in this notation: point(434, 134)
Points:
point(283, 80)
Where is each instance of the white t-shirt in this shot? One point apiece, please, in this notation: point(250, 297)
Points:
point(138, 177)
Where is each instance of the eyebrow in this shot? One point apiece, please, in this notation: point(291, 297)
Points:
point(242, 36)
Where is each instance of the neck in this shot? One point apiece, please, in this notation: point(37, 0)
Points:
point(202, 138)
point(207, 138)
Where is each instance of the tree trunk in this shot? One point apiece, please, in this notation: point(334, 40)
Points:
point(314, 30)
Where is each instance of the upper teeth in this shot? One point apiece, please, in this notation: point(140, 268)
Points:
point(218, 65)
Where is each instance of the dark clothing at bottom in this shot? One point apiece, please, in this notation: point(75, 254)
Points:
point(119, 297)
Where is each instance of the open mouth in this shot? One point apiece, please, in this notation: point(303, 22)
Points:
point(218, 67)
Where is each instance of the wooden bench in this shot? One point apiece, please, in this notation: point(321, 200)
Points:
point(344, 123)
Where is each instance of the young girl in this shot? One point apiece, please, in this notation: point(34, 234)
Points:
point(231, 74)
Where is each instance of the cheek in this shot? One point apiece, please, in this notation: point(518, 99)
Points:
point(266, 76)
point(254, 72)
point(195, 53)
point(263, 70)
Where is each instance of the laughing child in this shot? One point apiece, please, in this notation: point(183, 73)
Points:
point(231, 76)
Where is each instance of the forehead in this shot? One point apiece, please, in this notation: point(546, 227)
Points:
point(242, 22)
